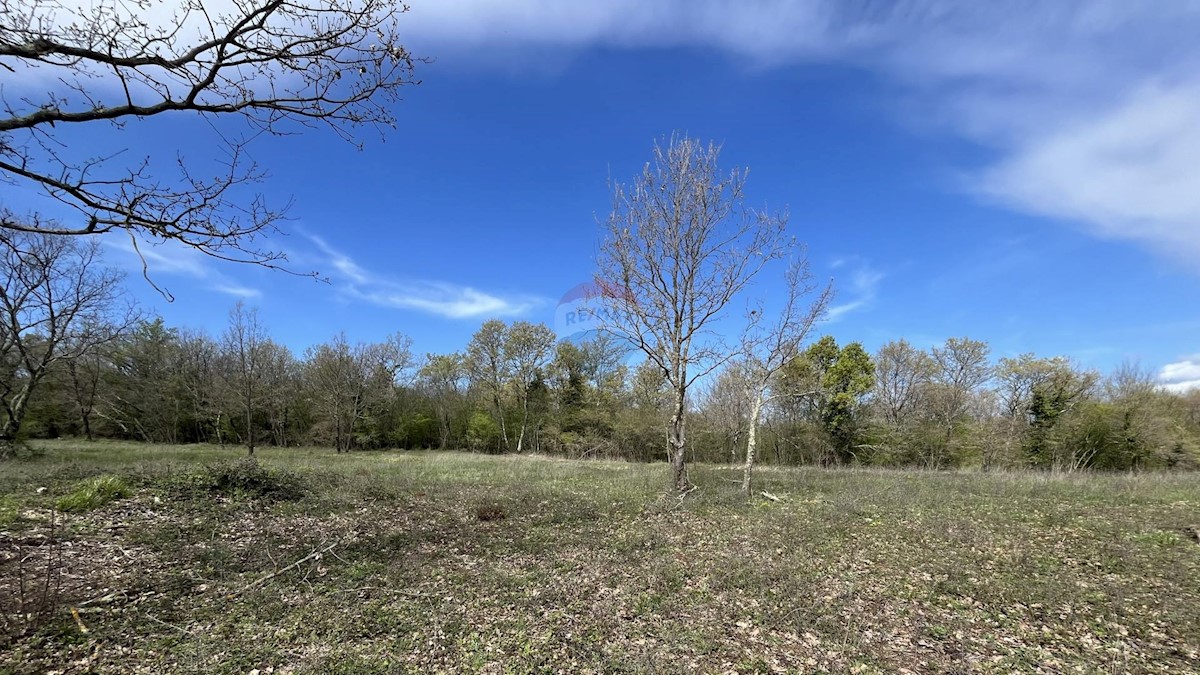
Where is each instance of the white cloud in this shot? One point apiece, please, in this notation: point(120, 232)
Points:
point(433, 297)
point(165, 259)
point(244, 292)
point(1088, 105)
point(1131, 173)
point(863, 284)
point(1181, 376)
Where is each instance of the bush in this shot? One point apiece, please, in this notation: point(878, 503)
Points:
point(93, 493)
point(246, 477)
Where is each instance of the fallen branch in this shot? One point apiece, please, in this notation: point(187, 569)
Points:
point(157, 620)
point(770, 496)
point(683, 494)
point(315, 554)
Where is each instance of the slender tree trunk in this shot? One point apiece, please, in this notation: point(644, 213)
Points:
point(524, 424)
point(86, 401)
point(249, 431)
point(675, 439)
point(503, 426)
point(444, 424)
point(751, 444)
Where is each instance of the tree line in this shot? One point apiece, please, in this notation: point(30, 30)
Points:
point(517, 388)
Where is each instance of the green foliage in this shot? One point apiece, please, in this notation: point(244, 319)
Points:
point(10, 511)
point(1122, 435)
point(93, 493)
point(483, 433)
point(835, 381)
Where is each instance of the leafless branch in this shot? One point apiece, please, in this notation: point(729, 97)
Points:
point(276, 65)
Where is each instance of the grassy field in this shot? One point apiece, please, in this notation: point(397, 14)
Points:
point(403, 562)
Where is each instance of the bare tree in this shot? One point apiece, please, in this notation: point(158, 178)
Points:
point(56, 304)
point(276, 65)
point(961, 369)
point(724, 402)
point(346, 380)
point(901, 372)
point(243, 347)
point(84, 372)
point(1130, 380)
point(768, 346)
point(680, 245)
point(196, 369)
point(279, 382)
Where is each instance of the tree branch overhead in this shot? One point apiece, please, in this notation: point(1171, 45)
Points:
point(275, 66)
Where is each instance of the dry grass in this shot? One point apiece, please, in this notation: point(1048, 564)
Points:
point(387, 563)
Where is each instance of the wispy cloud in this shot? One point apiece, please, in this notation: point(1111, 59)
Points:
point(171, 259)
point(1088, 105)
point(1181, 376)
point(237, 291)
point(432, 297)
point(862, 284)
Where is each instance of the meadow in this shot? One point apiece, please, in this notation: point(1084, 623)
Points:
point(189, 559)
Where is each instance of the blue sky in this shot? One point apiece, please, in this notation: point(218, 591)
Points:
point(1017, 173)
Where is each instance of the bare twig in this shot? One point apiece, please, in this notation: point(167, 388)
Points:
point(315, 554)
point(181, 629)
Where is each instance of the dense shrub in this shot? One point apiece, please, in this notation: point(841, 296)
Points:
point(248, 478)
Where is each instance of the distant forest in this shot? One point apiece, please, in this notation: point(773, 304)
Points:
point(516, 388)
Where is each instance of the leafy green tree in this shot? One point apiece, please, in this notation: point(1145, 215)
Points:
point(842, 377)
point(848, 379)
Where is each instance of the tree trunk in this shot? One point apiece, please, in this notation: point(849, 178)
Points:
point(249, 432)
point(751, 444)
point(444, 428)
point(524, 424)
point(675, 439)
point(15, 414)
point(8, 434)
point(503, 426)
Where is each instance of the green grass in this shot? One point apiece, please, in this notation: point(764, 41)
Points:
point(93, 493)
point(450, 562)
